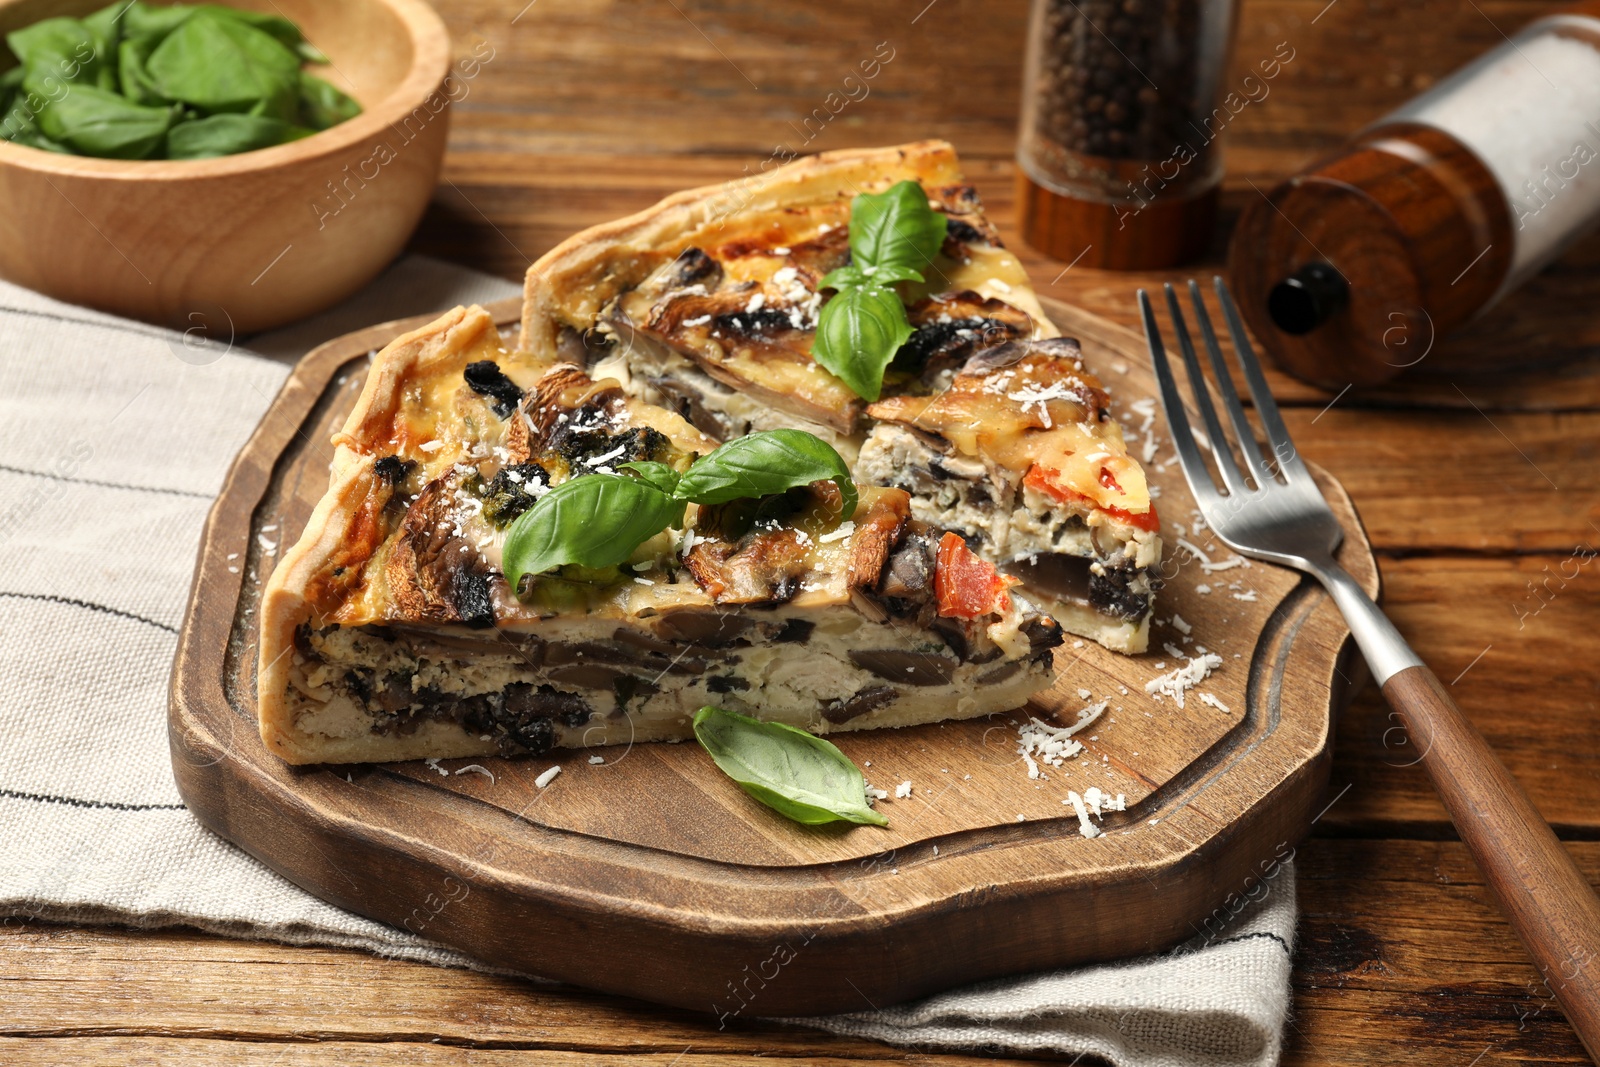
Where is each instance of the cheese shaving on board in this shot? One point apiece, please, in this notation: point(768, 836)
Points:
point(1176, 683)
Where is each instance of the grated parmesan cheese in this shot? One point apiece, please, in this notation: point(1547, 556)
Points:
point(1085, 826)
point(845, 529)
point(1177, 682)
point(547, 776)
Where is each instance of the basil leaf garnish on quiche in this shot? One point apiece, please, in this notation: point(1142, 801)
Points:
point(893, 235)
point(593, 521)
point(797, 774)
point(764, 463)
point(597, 520)
point(655, 474)
point(858, 333)
point(895, 229)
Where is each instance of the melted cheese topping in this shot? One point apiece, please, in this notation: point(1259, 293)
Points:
point(1032, 414)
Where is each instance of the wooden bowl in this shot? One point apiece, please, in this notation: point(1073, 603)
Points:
point(255, 240)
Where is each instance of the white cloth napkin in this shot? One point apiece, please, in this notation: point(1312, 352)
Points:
point(114, 438)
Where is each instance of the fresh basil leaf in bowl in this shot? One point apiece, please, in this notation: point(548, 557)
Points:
point(94, 122)
point(596, 520)
point(226, 135)
point(184, 64)
point(218, 63)
point(763, 463)
point(795, 773)
point(106, 25)
point(133, 57)
point(62, 49)
point(323, 105)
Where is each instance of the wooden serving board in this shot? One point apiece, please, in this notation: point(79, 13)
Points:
point(652, 875)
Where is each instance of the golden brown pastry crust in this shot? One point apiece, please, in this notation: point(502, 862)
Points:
point(298, 589)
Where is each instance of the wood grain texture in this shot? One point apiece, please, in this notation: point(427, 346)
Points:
point(249, 241)
point(1533, 879)
point(655, 858)
point(1517, 640)
point(1401, 958)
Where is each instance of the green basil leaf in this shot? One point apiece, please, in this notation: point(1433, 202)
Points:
point(227, 135)
point(322, 104)
point(106, 25)
point(218, 63)
point(848, 276)
point(895, 228)
point(858, 333)
point(596, 520)
point(277, 27)
point(97, 123)
point(62, 49)
point(851, 276)
point(16, 118)
point(760, 464)
point(797, 774)
point(654, 474)
point(29, 135)
point(141, 18)
point(133, 55)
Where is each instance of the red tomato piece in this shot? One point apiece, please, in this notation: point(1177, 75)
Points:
point(967, 587)
point(1044, 480)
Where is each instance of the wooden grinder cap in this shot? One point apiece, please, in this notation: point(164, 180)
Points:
point(1349, 271)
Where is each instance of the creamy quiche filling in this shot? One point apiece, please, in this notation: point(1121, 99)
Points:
point(779, 606)
point(999, 457)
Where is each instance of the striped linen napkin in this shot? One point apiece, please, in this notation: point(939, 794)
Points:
point(114, 439)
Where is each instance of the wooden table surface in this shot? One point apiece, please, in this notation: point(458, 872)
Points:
point(1480, 490)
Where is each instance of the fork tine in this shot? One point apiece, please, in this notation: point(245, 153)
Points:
point(1277, 433)
point(1231, 475)
point(1189, 457)
point(1245, 435)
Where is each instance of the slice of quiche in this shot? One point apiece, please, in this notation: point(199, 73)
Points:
point(389, 631)
point(1020, 455)
point(708, 304)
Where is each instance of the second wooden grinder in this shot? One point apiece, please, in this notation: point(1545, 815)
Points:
point(1350, 271)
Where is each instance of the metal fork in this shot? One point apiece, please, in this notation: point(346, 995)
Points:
point(1269, 508)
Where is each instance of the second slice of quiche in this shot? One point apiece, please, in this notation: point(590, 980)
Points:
point(391, 631)
point(708, 304)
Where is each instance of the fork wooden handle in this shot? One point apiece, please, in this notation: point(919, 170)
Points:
point(1529, 872)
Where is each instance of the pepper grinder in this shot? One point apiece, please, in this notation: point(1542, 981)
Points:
point(1122, 106)
point(1349, 271)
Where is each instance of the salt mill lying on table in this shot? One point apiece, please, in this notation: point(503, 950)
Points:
point(1349, 271)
